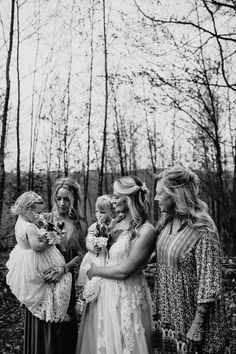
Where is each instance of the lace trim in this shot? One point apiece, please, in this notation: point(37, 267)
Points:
point(56, 301)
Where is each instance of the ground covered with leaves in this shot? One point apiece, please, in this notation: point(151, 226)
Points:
point(12, 315)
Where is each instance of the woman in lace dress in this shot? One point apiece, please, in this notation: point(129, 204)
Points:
point(189, 301)
point(59, 338)
point(123, 306)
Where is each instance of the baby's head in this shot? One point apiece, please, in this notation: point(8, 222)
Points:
point(104, 209)
point(27, 201)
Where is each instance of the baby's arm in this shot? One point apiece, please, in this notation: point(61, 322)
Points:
point(36, 244)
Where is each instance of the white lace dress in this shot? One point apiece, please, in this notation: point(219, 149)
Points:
point(47, 301)
point(122, 312)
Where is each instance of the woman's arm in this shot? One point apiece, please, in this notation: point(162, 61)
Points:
point(209, 275)
point(140, 251)
point(36, 244)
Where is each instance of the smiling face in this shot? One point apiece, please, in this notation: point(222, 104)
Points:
point(120, 202)
point(63, 201)
point(165, 201)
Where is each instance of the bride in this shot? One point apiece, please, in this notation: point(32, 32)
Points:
point(120, 321)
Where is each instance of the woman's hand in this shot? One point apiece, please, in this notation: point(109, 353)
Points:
point(195, 334)
point(53, 274)
point(91, 270)
point(196, 331)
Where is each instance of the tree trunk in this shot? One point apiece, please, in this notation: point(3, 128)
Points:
point(5, 111)
point(101, 175)
point(86, 181)
point(18, 176)
point(234, 207)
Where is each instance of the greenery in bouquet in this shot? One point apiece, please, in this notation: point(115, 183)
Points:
point(49, 232)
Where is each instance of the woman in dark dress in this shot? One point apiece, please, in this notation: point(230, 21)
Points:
point(59, 338)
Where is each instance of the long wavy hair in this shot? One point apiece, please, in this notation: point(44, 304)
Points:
point(137, 199)
point(74, 195)
point(182, 185)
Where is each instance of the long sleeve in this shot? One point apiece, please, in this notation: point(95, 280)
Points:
point(209, 268)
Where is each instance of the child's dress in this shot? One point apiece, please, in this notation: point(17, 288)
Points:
point(47, 301)
point(92, 287)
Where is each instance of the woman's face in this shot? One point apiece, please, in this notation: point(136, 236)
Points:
point(63, 201)
point(165, 201)
point(120, 202)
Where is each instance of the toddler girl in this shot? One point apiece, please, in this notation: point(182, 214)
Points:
point(33, 255)
point(96, 242)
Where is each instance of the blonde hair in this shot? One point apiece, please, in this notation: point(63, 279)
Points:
point(182, 185)
point(137, 198)
point(105, 202)
point(74, 195)
point(24, 202)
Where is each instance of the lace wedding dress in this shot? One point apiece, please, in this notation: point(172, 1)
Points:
point(123, 308)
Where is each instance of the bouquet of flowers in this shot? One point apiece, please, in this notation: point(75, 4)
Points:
point(49, 232)
point(101, 234)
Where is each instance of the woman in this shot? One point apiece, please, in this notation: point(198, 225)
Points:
point(189, 298)
point(60, 338)
point(123, 321)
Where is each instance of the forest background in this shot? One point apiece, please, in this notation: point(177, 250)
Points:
point(97, 89)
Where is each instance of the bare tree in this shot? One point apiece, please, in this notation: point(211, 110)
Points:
point(212, 9)
point(118, 132)
point(101, 175)
point(5, 109)
point(18, 172)
point(86, 181)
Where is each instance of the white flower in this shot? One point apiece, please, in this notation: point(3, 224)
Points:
point(100, 241)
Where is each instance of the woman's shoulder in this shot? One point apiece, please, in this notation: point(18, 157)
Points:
point(82, 226)
point(147, 229)
point(208, 233)
point(147, 226)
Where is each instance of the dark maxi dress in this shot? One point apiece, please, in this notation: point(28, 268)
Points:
point(42, 337)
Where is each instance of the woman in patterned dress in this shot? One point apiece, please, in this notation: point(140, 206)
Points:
point(124, 304)
point(189, 301)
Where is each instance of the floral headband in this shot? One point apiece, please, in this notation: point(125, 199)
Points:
point(36, 200)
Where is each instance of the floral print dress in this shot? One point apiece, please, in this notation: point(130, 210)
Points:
point(188, 273)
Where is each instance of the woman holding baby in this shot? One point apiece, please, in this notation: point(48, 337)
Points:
point(121, 314)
